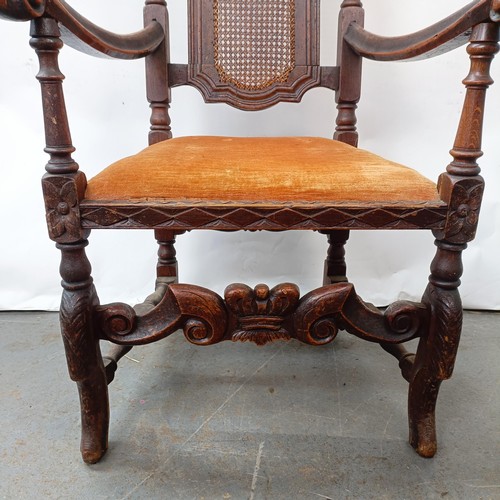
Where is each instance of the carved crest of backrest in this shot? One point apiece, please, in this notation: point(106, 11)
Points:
point(253, 53)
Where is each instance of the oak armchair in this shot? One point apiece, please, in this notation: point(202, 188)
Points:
point(251, 58)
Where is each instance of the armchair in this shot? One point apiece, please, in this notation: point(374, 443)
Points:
point(252, 58)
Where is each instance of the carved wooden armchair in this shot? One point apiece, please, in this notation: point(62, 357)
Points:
point(253, 57)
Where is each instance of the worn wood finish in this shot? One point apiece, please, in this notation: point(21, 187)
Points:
point(83, 354)
point(462, 188)
point(85, 36)
point(215, 77)
point(349, 88)
point(260, 314)
point(437, 39)
point(22, 10)
point(335, 269)
point(157, 74)
point(278, 217)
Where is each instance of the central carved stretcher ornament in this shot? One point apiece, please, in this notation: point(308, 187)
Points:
point(260, 315)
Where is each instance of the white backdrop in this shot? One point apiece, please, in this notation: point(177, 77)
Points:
point(408, 113)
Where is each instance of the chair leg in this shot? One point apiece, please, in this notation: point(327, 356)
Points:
point(335, 265)
point(437, 350)
point(82, 349)
point(166, 269)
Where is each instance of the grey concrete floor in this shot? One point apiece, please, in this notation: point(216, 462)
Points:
point(235, 421)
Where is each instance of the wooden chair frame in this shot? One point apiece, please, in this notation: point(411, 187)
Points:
point(259, 315)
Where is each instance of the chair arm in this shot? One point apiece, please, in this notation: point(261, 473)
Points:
point(439, 38)
point(21, 10)
point(83, 35)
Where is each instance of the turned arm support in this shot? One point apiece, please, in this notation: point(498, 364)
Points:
point(437, 39)
point(83, 35)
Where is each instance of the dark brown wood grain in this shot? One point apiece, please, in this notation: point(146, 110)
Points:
point(230, 216)
point(157, 74)
point(437, 39)
point(22, 10)
point(335, 269)
point(87, 37)
point(260, 314)
point(83, 354)
point(203, 71)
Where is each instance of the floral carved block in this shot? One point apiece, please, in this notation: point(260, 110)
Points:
point(464, 196)
point(62, 194)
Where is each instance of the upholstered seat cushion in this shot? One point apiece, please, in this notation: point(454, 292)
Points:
point(279, 169)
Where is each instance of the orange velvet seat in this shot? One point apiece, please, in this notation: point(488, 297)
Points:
point(278, 169)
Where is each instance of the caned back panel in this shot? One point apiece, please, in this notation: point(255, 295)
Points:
point(253, 53)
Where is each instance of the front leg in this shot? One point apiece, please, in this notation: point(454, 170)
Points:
point(83, 354)
point(437, 349)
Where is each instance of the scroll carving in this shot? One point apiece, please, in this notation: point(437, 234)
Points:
point(322, 312)
point(203, 314)
point(261, 315)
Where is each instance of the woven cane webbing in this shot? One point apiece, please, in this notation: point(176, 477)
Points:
point(254, 41)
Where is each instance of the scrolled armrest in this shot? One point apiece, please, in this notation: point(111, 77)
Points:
point(439, 38)
point(21, 10)
point(85, 36)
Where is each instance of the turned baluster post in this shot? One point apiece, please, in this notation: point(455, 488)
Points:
point(166, 269)
point(346, 97)
point(157, 84)
point(461, 188)
point(335, 268)
point(63, 187)
point(349, 90)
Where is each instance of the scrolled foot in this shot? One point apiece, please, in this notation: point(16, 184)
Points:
point(95, 418)
point(423, 437)
point(91, 454)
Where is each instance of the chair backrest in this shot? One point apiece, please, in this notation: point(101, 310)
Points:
point(253, 54)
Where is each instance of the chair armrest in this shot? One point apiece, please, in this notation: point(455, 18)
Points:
point(21, 10)
point(83, 35)
point(437, 39)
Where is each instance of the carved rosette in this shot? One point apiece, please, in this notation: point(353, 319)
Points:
point(464, 197)
point(62, 195)
point(261, 312)
point(465, 207)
